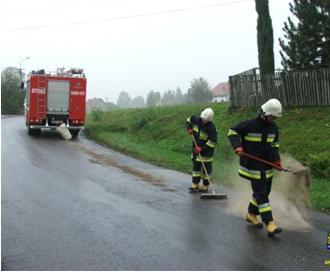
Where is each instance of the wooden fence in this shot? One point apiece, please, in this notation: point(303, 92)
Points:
point(295, 88)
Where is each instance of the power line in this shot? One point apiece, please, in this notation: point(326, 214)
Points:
point(124, 17)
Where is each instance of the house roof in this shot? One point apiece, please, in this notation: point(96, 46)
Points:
point(221, 89)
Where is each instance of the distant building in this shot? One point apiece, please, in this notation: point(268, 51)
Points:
point(98, 103)
point(220, 92)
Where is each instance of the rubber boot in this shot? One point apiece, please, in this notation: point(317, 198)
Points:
point(194, 188)
point(272, 229)
point(203, 188)
point(253, 219)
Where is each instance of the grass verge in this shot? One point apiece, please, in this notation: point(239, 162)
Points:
point(158, 135)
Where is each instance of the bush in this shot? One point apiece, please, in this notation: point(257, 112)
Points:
point(96, 114)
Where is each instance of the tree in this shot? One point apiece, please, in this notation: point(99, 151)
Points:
point(179, 97)
point(325, 43)
point(153, 98)
point(168, 98)
point(265, 38)
point(199, 91)
point(12, 97)
point(124, 100)
point(308, 41)
point(138, 102)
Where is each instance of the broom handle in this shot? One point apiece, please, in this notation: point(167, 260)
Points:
point(206, 173)
point(264, 161)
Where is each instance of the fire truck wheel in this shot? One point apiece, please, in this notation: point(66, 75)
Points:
point(30, 131)
point(34, 131)
point(74, 133)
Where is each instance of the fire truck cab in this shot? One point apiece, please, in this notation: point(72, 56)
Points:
point(52, 99)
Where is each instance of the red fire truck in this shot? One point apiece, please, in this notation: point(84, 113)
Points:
point(52, 99)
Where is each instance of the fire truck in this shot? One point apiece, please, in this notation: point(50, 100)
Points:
point(52, 99)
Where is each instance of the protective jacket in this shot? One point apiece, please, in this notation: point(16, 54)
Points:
point(205, 135)
point(259, 138)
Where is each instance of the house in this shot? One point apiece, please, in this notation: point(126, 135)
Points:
point(220, 92)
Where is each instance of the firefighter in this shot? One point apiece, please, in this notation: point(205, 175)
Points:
point(204, 133)
point(259, 137)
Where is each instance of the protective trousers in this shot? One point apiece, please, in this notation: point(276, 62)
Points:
point(259, 204)
point(199, 173)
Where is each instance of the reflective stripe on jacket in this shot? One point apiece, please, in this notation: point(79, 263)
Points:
point(259, 138)
point(206, 137)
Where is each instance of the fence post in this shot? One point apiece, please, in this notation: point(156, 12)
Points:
point(231, 92)
point(285, 88)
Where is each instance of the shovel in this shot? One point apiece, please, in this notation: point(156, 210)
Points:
point(212, 195)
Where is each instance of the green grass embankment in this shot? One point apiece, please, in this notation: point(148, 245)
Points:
point(158, 135)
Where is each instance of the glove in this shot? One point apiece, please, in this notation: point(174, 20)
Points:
point(190, 131)
point(279, 165)
point(197, 149)
point(239, 151)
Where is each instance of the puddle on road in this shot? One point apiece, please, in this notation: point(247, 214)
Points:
point(104, 160)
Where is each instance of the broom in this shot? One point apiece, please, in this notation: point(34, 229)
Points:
point(212, 195)
point(303, 171)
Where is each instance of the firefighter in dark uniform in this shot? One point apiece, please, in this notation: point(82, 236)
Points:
point(205, 134)
point(260, 138)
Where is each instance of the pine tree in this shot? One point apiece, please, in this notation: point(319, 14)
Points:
point(325, 43)
point(265, 38)
point(308, 40)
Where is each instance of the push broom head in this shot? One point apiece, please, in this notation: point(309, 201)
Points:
point(303, 175)
point(301, 171)
point(214, 196)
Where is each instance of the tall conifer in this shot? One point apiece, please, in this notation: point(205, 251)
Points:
point(265, 38)
point(308, 39)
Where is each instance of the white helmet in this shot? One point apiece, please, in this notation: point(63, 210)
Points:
point(272, 107)
point(207, 114)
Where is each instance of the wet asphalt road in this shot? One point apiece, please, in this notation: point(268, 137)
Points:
point(78, 206)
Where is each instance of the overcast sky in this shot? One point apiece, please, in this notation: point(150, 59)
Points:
point(136, 45)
